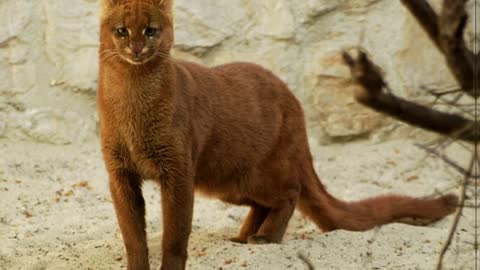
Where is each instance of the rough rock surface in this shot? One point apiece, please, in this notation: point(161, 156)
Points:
point(48, 58)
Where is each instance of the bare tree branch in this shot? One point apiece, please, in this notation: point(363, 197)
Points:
point(369, 76)
point(460, 59)
point(426, 16)
point(446, 31)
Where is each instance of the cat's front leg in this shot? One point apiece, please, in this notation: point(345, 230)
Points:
point(126, 190)
point(177, 207)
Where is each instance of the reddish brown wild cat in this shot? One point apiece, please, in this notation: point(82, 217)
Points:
point(234, 132)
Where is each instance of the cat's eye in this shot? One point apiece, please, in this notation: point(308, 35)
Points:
point(122, 32)
point(150, 31)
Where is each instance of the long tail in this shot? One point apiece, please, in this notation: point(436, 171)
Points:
point(330, 213)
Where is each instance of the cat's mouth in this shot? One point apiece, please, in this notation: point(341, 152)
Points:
point(137, 61)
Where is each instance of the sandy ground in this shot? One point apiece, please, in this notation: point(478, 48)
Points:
point(56, 213)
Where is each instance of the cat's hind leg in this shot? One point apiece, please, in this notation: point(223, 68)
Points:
point(252, 223)
point(275, 224)
point(278, 192)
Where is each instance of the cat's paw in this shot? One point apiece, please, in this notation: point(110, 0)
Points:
point(258, 240)
point(238, 240)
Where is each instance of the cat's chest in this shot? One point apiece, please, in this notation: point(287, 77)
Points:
point(141, 137)
point(144, 153)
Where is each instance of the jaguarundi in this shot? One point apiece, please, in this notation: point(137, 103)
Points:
point(234, 132)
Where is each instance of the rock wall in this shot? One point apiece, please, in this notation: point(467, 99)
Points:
point(48, 58)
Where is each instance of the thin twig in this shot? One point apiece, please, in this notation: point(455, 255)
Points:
point(456, 220)
point(437, 93)
point(306, 260)
point(454, 103)
point(445, 159)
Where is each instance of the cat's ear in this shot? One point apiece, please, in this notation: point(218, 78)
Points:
point(109, 3)
point(106, 6)
point(165, 5)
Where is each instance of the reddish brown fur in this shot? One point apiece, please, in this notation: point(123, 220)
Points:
point(234, 132)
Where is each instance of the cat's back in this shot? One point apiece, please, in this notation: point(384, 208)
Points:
point(263, 83)
point(253, 77)
point(243, 75)
point(244, 85)
point(248, 72)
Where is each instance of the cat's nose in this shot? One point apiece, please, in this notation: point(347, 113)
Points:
point(136, 47)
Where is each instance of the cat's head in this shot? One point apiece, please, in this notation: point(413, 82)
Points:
point(136, 31)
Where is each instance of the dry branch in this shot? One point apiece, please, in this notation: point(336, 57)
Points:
point(369, 76)
point(306, 260)
point(446, 31)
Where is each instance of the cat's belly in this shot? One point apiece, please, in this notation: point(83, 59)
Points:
point(225, 175)
point(229, 196)
point(231, 189)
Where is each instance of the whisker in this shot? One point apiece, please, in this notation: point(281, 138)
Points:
point(107, 52)
point(163, 55)
point(107, 58)
point(110, 58)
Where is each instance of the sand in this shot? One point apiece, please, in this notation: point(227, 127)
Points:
point(56, 213)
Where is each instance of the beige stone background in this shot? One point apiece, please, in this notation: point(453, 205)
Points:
point(48, 59)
